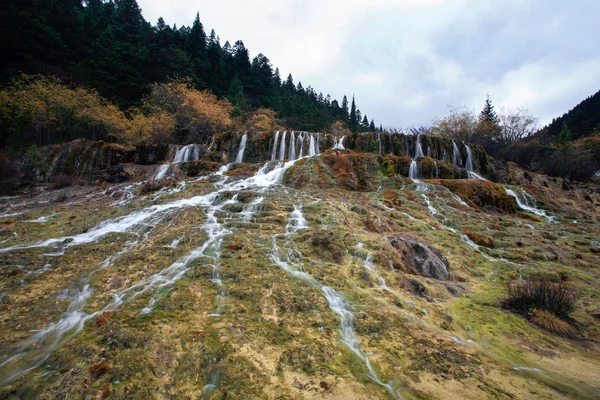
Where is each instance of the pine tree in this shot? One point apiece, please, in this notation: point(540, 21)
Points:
point(564, 136)
point(488, 114)
point(365, 123)
point(345, 107)
point(372, 126)
point(353, 116)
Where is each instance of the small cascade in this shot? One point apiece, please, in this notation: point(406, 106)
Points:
point(312, 146)
point(469, 164)
point(282, 147)
point(287, 261)
point(300, 145)
point(379, 141)
point(436, 172)
point(274, 151)
point(418, 147)
point(455, 154)
point(445, 156)
point(529, 204)
point(161, 172)
point(240, 155)
point(407, 146)
point(339, 144)
point(413, 171)
point(428, 151)
point(292, 151)
point(191, 152)
point(251, 209)
point(318, 144)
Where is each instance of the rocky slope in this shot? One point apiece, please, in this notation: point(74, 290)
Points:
point(330, 276)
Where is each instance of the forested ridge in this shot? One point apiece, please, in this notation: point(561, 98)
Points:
point(110, 47)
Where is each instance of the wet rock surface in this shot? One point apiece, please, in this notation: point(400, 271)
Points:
point(418, 256)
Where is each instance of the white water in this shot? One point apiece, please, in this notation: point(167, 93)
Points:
point(191, 152)
point(32, 352)
point(240, 154)
point(418, 148)
point(529, 204)
point(436, 173)
point(455, 154)
point(161, 172)
point(300, 145)
point(469, 165)
point(413, 171)
point(312, 148)
point(282, 147)
point(379, 141)
point(339, 144)
point(251, 209)
point(44, 218)
point(317, 144)
point(428, 151)
point(292, 151)
point(274, 151)
point(336, 302)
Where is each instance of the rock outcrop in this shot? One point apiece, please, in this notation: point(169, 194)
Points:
point(421, 258)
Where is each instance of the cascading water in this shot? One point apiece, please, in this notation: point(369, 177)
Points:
point(292, 151)
point(312, 149)
point(240, 154)
point(300, 145)
point(32, 352)
point(379, 141)
point(339, 144)
point(455, 154)
point(435, 169)
point(407, 146)
point(445, 156)
point(274, 151)
point(282, 147)
point(529, 204)
point(318, 144)
point(336, 302)
point(418, 148)
point(191, 152)
point(161, 172)
point(469, 165)
point(428, 151)
point(413, 171)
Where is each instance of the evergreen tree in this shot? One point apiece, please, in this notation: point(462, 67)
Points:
point(353, 115)
point(488, 114)
point(564, 136)
point(372, 126)
point(345, 107)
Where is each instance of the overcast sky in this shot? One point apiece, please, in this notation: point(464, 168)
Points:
point(406, 60)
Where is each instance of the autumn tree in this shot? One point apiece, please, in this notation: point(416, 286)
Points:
point(460, 124)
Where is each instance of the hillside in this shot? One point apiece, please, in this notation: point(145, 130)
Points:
point(582, 120)
point(297, 265)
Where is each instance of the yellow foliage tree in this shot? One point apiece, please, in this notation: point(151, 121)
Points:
point(42, 110)
point(262, 120)
point(197, 114)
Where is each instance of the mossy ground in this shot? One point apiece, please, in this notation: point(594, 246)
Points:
point(277, 337)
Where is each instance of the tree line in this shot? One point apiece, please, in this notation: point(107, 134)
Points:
point(109, 46)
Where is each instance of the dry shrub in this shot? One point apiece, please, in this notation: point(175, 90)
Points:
point(552, 323)
point(559, 299)
point(62, 181)
point(97, 370)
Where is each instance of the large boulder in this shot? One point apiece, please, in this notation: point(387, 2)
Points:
point(420, 257)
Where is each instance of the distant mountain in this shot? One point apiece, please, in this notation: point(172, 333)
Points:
point(582, 120)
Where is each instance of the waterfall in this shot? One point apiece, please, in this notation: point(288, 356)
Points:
point(379, 140)
point(300, 145)
point(529, 204)
point(191, 152)
point(445, 156)
point(161, 172)
point(435, 169)
point(292, 151)
point(413, 171)
point(407, 145)
point(428, 151)
point(469, 165)
point(312, 149)
point(418, 148)
point(455, 154)
point(318, 144)
point(274, 151)
point(240, 155)
point(339, 144)
point(287, 261)
point(282, 147)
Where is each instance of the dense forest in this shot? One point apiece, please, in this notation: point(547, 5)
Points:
point(583, 120)
point(109, 46)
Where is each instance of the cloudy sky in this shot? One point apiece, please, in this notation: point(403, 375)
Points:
point(406, 60)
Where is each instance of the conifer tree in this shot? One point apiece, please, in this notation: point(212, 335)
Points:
point(372, 126)
point(345, 107)
point(488, 114)
point(353, 115)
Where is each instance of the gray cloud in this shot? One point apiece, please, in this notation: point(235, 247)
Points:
point(405, 60)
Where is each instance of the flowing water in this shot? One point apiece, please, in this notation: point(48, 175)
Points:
point(240, 154)
point(455, 154)
point(339, 144)
point(413, 172)
point(274, 151)
point(418, 147)
point(282, 147)
point(528, 204)
point(292, 151)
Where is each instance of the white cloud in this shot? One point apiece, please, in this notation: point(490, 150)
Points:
point(405, 60)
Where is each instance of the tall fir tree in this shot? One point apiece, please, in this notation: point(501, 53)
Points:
point(488, 114)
